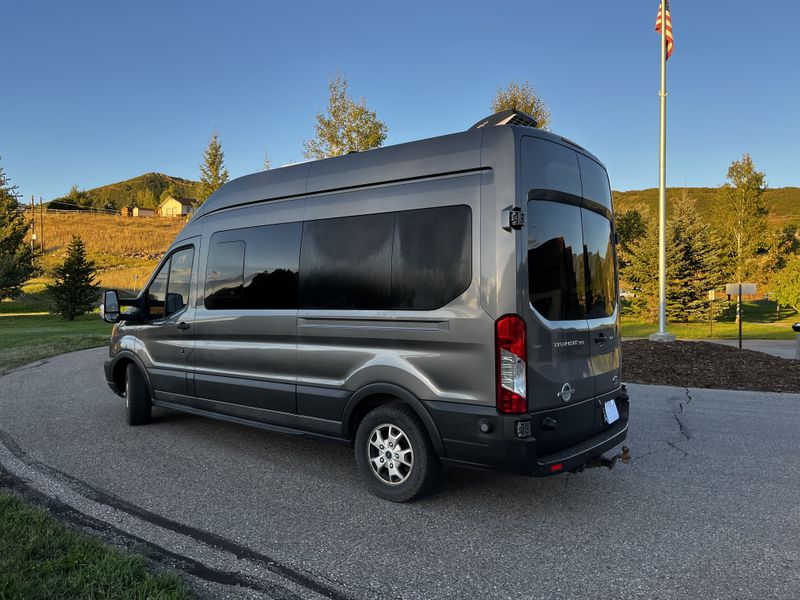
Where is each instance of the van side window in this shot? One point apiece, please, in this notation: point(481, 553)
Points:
point(180, 277)
point(346, 263)
point(224, 274)
point(556, 278)
point(254, 268)
point(431, 257)
point(270, 266)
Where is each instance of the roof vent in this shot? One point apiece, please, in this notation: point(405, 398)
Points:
point(507, 117)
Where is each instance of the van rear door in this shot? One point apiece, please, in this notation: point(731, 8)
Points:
point(554, 304)
point(601, 276)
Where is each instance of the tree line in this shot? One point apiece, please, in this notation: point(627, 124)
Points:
point(737, 245)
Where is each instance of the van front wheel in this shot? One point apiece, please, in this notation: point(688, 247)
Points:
point(395, 455)
point(138, 404)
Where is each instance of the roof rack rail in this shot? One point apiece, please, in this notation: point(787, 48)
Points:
point(506, 117)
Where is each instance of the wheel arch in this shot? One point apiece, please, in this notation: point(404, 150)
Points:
point(376, 394)
point(120, 364)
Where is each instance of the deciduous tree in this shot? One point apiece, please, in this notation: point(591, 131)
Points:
point(522, 97)
point(740, 217)
point(348, 126)
point(74, 291)
point(786, 284)
point(213, 174)
point(16, 258)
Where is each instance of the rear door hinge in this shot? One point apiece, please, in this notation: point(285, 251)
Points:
point(515, 219)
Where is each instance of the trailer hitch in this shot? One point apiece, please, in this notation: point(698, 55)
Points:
point(609, 462)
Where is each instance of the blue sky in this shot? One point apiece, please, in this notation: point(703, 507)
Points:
point(96, 92)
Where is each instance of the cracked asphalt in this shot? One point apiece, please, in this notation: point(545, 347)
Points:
point(709, 506)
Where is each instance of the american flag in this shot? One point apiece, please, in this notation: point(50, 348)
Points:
point(670, 41)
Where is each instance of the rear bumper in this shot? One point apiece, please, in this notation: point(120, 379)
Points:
point(580, 437)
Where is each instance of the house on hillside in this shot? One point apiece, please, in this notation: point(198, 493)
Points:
point(172, 206)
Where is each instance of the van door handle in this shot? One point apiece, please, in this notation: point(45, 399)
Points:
point(182, 325)
point(600, 339)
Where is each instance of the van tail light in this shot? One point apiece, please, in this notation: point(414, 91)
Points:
point(511, 364)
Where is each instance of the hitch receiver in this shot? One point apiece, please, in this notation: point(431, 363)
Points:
point(604, 461)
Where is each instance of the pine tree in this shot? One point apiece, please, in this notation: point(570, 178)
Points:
point(696, 252)
point(349, 126)
point(16, 257)
point(522, 97)
point(267, 162)
point(213, 174)
point(693, 258)
point(74, 290)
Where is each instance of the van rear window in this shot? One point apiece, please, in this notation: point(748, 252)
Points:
point(595, 182)
point(571, 262)
point(556, 279)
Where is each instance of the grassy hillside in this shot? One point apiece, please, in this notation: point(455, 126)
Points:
point(121, 194)
point(783, 203)
point(125, 249)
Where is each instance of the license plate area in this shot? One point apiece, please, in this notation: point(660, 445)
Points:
point(610, 412)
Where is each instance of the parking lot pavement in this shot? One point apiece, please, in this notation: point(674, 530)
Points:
point(707, 508)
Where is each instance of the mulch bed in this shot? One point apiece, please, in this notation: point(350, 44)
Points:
point(707, 365)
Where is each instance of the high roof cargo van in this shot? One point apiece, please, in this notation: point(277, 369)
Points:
point(447, 301)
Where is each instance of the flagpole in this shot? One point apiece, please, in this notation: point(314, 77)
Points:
point(662, 335)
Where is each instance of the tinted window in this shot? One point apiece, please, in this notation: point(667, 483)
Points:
point(180, 276)
point(556, 280)
point(254, 268)
point(346, 263)
point(600, 275)
point(595, 182)
point(549, 166)
point(432, 255)
point(270, 266)
point(224, 274)
point(157, 293)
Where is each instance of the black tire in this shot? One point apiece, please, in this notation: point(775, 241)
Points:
point(138, 403)
point(402, 483)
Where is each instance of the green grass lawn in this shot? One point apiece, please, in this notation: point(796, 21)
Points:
point(27, 338)
point(28, 333)
point(761, 321)
point(42, 558)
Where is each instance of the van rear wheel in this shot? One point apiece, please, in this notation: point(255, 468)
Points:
point(395, 455)
point(138, 404)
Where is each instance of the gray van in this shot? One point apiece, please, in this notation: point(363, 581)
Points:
point(451, 300)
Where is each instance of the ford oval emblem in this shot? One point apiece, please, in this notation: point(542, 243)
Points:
point(566, 392)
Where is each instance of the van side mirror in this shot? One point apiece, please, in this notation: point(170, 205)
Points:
point(796, 327)
point(109, 309)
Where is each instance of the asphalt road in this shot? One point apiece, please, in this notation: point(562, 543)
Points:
point(709, 507)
